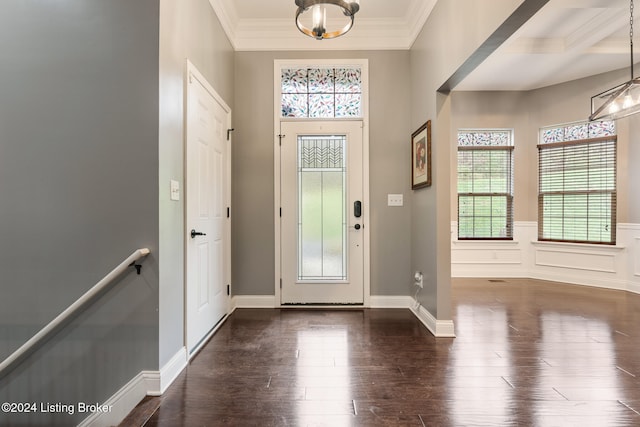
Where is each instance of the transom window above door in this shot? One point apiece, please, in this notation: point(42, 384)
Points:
point(321, 92)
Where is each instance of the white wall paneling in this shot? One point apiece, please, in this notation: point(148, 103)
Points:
point(612, 267)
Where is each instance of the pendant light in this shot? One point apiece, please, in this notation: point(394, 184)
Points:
point(319, 28)
point(622, 100)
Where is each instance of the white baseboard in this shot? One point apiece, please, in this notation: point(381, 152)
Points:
point(392, 301)
point(170, 371)
point(146, 383)
point(253, 301)
point(204, 341)
point(581, 279)
point(123, 402)
point(439, 328)
point(634, 287)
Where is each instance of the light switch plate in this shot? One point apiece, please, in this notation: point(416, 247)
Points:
point(394, 200)
point(175, 190)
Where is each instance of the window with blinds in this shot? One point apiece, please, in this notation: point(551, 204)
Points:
point(577, 183)
point(485, 184)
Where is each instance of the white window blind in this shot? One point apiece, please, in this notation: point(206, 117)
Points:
point(577, 183)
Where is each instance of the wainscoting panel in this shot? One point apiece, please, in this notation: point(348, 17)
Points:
point(473, 258)
point(575, 259)
point(612, 267)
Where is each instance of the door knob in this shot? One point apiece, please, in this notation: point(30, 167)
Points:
point(195, 233)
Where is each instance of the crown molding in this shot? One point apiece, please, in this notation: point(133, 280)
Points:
point(282, 34)
point(228, 17)
point(417, 17)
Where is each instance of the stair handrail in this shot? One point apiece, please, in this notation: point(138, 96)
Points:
point(62, 317)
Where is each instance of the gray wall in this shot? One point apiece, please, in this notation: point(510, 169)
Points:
point(633, 171)
point(78, 182)
point(253, 192)
point(446, 41)
point(526, 112)
point(188, 29)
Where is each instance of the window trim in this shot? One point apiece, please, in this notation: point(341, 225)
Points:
point(613, 193)
point(510, 196)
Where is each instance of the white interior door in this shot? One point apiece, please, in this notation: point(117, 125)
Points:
point(206, 223)
point(322, 222)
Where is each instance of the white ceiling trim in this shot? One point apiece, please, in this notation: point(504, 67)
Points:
point(417, 17)
point(281, 34)
point(227, 15)
point(597, 29)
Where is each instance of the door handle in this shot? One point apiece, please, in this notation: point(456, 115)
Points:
point(357, 208)
point(195, 233)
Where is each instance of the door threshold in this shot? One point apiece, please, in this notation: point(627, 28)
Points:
point(357, 305)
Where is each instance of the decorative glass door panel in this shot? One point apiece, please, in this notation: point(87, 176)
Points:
point(322, 194)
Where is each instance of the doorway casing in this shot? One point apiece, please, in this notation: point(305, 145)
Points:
point(363, 64)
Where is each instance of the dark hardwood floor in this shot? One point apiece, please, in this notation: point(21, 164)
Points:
point(527, 353)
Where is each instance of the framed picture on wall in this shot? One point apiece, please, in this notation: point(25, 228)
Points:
point(421, 157)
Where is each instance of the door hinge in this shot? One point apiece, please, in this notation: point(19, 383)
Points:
point(280, 212)
point(280, 283)
point(280, 139)
point(228, 289)
point(229, 133)
point(228, 212)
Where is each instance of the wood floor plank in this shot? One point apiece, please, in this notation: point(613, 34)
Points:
point(527, 352)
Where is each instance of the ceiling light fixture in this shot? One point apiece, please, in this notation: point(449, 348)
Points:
point(622, 100)
point(316, 25)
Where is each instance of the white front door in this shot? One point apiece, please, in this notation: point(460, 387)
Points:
point(206, 223)
point(322, 222)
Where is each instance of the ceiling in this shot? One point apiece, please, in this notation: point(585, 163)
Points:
point(565, 40)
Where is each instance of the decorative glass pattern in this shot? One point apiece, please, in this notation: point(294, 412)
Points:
point(321, 80)
point(294, 80)
point(321, 92)
point(321, 105)
point(327, 153)
point(348, 105)
point(322, 215)
point(348, 80)
point(295, 105)
point(489, 138)
point(577, 131)
point(602, 128)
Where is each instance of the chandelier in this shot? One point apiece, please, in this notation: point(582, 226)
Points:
point(622, 100)
point(311, 17)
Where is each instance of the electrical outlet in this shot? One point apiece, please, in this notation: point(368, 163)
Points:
point(394, 200)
